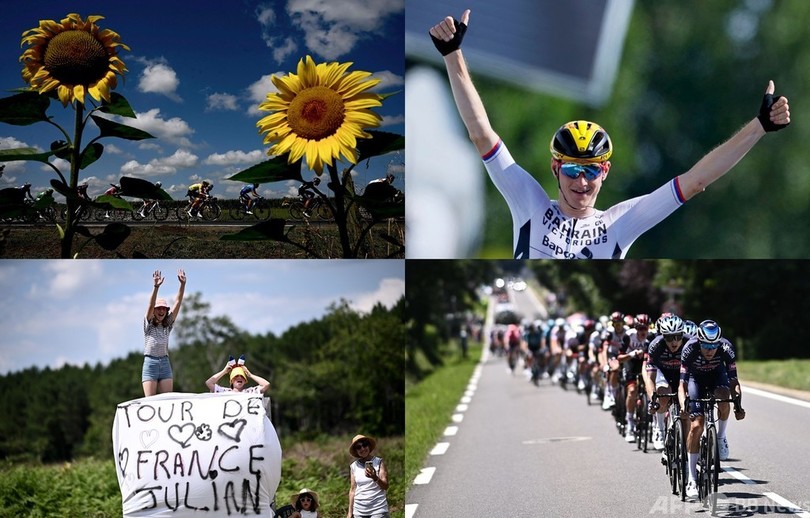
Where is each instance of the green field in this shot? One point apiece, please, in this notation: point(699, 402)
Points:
point(89, 488)
point(792, 374)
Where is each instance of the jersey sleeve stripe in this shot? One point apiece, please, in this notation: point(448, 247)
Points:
point(676, 189)
point(492, 152)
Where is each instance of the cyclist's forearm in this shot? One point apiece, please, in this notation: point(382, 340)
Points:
point(469, 103)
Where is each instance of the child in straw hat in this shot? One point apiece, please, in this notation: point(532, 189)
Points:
point(157, 376)
point(306, 504)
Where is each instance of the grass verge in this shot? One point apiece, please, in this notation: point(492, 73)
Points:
point(429, 403)
point(793, 374)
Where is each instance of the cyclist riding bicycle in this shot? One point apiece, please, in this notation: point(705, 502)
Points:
point(664, 369)
point(196, 194)
point(247, 195)
point(307, 193)
point(632, 360)
point(612, 342)
point(148, 203)
point(534, 342)
point(114, 190)
point(708, 364)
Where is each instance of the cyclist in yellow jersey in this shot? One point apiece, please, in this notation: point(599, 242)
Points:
point(197, 193)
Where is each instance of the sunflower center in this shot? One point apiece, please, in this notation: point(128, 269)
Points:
point(316, 112)
point(76, 58)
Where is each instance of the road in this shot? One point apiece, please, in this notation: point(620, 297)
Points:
point(516, 450)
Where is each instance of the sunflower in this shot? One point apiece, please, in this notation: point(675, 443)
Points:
point(320, 113)
point(72, 56)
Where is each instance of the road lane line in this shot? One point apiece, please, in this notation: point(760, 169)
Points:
point(461, 408)
point(424, 476)
point(410, 510)
point(739, 476)
point(440, 448)
point(791, 507)
point(450, 431)
point(457, 418)
point(777, 397)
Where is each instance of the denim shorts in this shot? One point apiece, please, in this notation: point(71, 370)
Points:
point(377, 515)
point(156, 369)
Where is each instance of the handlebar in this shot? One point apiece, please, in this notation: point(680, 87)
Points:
point(711, 399)
point(655, 405)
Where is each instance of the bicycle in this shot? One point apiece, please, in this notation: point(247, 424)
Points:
point(151, 208)
point(708, 457)
point(675, 457)
point(209, 209)
point(317, 207)
point(258, 211)
point(642, 416)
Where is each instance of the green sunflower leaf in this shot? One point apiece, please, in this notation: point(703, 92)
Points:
point(25, 153)
point(61, 149)
point(274, 170)
point(113, 235)
point(90, 154)
point(118, 105)
point(24, 109)
point(140, 188)
point(112, 202)
point(113, 129)
point(381, 143)
point(271, 230)
point(381, 209)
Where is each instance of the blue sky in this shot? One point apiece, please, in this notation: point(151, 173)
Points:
point(197, 73)
point(54, 313)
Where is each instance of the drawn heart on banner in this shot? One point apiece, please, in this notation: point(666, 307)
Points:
point(182, 434)
point(122, 463)
point(148, 437)
point(232, 430)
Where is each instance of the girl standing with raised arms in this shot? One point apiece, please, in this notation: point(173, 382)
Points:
point(157, 374)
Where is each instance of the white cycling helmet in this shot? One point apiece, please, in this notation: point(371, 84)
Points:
point(669, 325)
point(689, 327)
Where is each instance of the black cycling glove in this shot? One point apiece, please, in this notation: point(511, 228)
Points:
point(446, 47)
point(765, 114)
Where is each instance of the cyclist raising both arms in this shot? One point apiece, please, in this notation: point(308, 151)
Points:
point(572, 228)
point(708, 364)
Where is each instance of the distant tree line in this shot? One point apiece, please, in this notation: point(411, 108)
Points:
point(340, 374)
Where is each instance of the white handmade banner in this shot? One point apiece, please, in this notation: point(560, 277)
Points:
point(196, 454)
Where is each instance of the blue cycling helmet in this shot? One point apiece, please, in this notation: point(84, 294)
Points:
point(709, 332)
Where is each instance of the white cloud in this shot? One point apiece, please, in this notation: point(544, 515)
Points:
point(181, 159)
point(333, 28)
point(281, 46)
point(257, 93)
point(389, 120)
point(161, 79)
point(235, 157)
point(223, 102)
point(387, 79)
point(388, 294)
point(16, 166)
point(113, 149)
point(11, 143)
point(174, 130)
point(71, 278)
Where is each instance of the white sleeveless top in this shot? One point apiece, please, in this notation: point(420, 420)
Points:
point(369, 498)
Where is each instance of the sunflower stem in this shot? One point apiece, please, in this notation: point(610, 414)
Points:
point(340, 211)
point(75, 162)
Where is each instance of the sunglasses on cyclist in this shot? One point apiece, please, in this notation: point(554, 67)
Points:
point(571, 170)
point(673, 338)
point(704, 345)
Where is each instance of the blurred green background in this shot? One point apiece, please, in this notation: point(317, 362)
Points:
point(691, 74)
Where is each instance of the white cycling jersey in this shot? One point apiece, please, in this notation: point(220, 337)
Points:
point(542, 231)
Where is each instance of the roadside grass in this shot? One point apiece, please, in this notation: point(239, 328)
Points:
point(793, 373)
point(89, 487)
point(429, 403)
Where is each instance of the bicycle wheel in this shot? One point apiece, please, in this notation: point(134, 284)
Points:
point(323, 211)
point(161, 213)
point(712, 461)
point(261, 213)
point(211, 211)
point(297, 211)
point(644, 422)
point(182, 212)
point(680, 458)
point(238, 213)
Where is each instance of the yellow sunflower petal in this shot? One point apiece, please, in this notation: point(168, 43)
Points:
point(359, 103)
point(363, 117)
point(78, 92)
point(350, 91)
point(297, 149)
point(65, 94)
point(288, 85)
point(307, 72)
point(286, 143)
point(274, 103)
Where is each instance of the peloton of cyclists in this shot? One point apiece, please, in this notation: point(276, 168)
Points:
point(708, 364)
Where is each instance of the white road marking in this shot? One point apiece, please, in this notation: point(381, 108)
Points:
point(547, 440)
point(410, 510)
point(457, 418)
point(791, 507)
point(739, 476)
point(440, 448)
point(777, 397)
point(424, 476)
point(461, 408)
point(450, 431)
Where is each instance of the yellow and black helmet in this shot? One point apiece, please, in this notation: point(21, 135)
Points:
point(583, 142)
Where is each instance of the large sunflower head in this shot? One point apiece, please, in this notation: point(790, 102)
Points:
point(319, 112)
point(72, 56)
